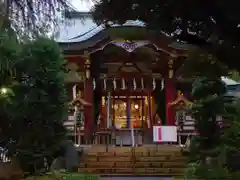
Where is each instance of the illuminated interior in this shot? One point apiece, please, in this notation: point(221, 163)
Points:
point(138, 111)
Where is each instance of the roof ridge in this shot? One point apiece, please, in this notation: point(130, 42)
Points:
point(76, 14)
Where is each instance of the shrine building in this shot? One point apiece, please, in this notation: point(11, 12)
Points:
point(124, 80)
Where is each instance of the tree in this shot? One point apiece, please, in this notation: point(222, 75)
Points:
point(231, 140)
point(34, 115)
point(16, 17)
point(9, 51)
point(211, 25)
point(29, 16)
point(208, 148)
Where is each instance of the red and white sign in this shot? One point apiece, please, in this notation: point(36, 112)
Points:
point(165, 133)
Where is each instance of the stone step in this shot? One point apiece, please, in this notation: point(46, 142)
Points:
point(152, 154)
point(159, 160)
point(130, 164)
point(145, 148)
point(102, 170)
point(160, 164)
point(134, 158)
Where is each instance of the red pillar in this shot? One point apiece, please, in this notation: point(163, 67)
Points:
point(128, 108)
point(170, 92)
point(104, 112)
point(150, 109)
point(88, 96)
point(88, 110)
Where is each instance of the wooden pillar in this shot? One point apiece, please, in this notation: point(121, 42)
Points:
point(149, 109)
point(88, 96)
point(170, 92)
point(103, 112)
point(128, 108)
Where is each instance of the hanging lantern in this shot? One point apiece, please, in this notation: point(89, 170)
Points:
point(114, 84)
point(104, 84)
point(94, 84)
point(154, 84)
point(123, 84)
point(162, 84)
point(142, 83)
point(134, 84)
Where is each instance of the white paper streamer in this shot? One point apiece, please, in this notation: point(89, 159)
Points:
point(123, 84)
point(104, 84)
point(94, 84)
point(134, 84)
point(74, 91)
point(162, 84)
point(114, 84)
point(154, 84)
point(142, 83)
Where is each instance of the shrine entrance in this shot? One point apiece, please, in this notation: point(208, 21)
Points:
point(130, 116)
point(129, 112)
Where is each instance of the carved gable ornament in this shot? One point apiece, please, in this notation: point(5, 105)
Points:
point(130, 46)
point(181, 101)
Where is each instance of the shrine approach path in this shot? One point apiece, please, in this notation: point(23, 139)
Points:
point(136, 178)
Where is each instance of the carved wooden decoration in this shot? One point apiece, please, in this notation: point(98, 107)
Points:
point(181, 101)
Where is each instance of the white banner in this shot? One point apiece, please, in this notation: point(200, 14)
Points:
point(165, 133)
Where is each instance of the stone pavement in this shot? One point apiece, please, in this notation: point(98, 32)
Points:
point(136, 178)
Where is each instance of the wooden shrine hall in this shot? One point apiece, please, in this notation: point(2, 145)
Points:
point(122, 81)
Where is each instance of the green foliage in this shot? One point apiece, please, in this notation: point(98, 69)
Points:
point(224, 163)
point(9, 52)
point(208, 93)
point(199, 171)
point(202, 64)
point(34, 115)
point(66, 176)
point(209, 103)
point(207, 151)
point(231, 137)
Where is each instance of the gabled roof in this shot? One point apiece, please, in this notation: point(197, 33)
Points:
point(80, 31)
point(79, 27)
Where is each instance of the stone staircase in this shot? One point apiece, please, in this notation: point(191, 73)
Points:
point(164, 160)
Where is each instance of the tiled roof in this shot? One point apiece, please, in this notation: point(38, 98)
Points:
point(79, 27)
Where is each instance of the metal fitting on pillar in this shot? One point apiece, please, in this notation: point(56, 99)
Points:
point(87, 64)
point(170, 66)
